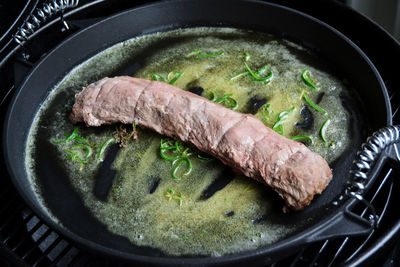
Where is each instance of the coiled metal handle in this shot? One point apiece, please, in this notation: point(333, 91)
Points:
point(41, 15)
point(367, 156)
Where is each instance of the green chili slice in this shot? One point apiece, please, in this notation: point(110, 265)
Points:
point(301, 138)
point(195, 52)
point(103, 148)
point(69, 138)
point(179, 198)
point(212, 96)
point(178, 162)
point(171, 78)
point(267, 112)
point(177, 75)
point(229, 100)
point(262, 70)
point(305, 75)
point(238, 75)
point(210, 55)
point(313, 105)
point(204, 158)
point(323, 130)
point(169, 145)
point(246, 56)
point(164, 156)
point(226, 100)
point(280, 118)
point(81, 139)
point(259, 72)
point(74, 156)
point(158, 77)
point(279, 129)
point(255, 75)
point(86, 148)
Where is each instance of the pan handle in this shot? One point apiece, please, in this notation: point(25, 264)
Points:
point(40, 15)
point(378, 142)
point(351, 224)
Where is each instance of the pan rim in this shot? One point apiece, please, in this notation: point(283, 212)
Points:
point(155, 259)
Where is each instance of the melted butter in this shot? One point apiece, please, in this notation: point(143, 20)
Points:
point(197, 226)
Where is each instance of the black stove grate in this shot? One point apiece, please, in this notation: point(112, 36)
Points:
point(25, 240)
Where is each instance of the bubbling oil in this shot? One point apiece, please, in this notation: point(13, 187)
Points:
point(149, 215)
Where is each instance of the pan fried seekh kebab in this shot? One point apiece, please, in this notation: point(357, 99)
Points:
point(240, 141)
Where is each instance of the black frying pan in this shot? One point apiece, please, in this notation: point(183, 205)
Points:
point(323, 219)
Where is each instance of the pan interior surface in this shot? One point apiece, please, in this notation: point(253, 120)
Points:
point(132, 192)
point(63, 202)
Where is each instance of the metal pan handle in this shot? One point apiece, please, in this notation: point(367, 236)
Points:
point(40, 15)
point(351, 224)
point(378, 142)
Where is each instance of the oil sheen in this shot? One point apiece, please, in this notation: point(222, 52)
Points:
point(145, 204)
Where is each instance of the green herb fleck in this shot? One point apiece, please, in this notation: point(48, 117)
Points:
point(170, 194)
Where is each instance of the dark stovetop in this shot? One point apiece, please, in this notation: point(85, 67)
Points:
point(25, 240)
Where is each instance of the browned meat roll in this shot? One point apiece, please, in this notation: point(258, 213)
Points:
point(240, 141)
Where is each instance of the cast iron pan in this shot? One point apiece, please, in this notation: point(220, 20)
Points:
point(324, 220)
